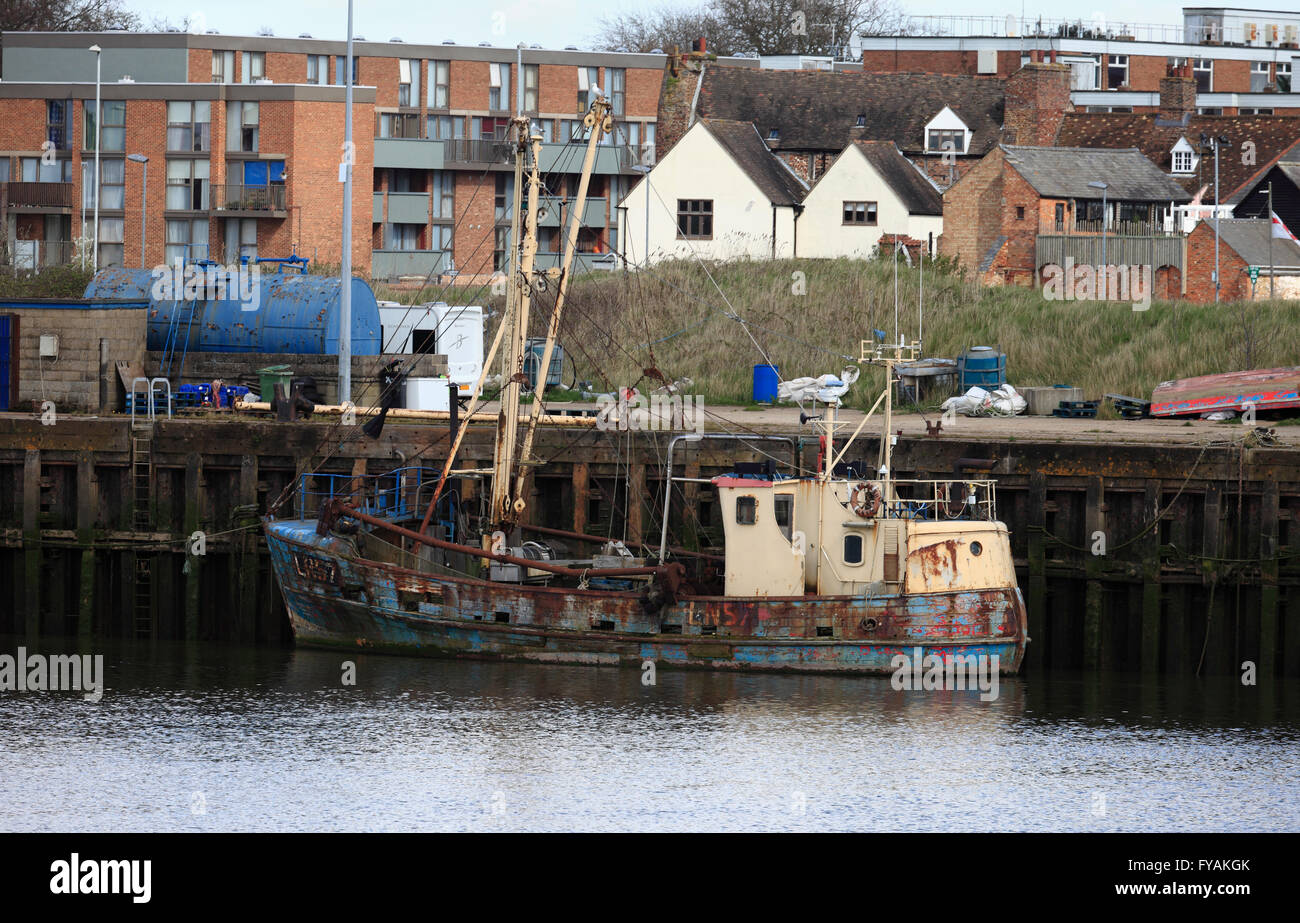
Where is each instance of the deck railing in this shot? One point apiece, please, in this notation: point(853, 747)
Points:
point(403, 493)
point(942, 501)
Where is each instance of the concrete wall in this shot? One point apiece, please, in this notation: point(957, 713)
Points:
point(72, 380)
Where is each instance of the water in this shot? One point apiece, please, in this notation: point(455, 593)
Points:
point(220, 738)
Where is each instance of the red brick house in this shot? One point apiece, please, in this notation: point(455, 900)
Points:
point(1022, 208)
point(1243, 243)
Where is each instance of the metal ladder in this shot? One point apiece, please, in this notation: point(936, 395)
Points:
point(143, 595)
point(141, 475)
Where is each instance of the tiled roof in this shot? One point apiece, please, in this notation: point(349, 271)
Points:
point(1249, 238)
point(1288, 162)
point(1270, 135)
point(818, 110)
point(1065, 172)
point(769, 173)
point(916, 191)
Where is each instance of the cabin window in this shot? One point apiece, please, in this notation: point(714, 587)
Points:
point(783, 510)
point(746, 510)
point(853, 549)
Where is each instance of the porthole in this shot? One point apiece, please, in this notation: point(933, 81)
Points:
point(976, 548)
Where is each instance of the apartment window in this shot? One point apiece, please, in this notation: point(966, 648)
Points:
point(241, 239)
point(441, 237)
point(1183, 161)
point(1203, 71)
point(4, 169)
point(112, 183)
point(187, 239)
point(56, 123)
point(545, 128)
point(318, 68)
point(588, 83)
point(402, 236)
point(859, 212)
point(252, 66)
point(1283, 72)
point(189, 126)
point(1116, 71)
point(499, 87)
point(242, 126)
point(617, 89)
point(943, 139)
point(35, 170)
point(399, 124)
point(408, 82)
point(444, 192)
point(445, 127)
point(114, 137)
point(1258, 76)
point(223, 67)
point(339, 79)
point(1210, 110)
point(439, 84)
point(187, 185)
point(695, 218)
point(110, 241)
point(500, 250)
point(489, 129)
point(505, 185)
point(1255, 111)
point(530, 87)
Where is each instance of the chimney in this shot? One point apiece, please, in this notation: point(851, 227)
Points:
point(1037, 98)
point(700, 45)
point(1177, 95)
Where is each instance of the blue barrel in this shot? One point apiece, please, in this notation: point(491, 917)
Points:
point(766, 379)
point(983, 367)
point(533, 350)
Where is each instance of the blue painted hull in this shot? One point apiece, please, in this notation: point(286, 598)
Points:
point(337, 599)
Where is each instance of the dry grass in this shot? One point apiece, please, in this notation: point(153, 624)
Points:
point(674, 319)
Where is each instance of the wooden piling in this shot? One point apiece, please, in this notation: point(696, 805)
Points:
point(1150, 551)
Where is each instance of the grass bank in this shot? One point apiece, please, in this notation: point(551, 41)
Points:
point(806, 314)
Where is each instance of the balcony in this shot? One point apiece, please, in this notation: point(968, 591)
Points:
point(393, 264)
point(238, 200)
point(1160, 228)
point(39, 195)
point(410, 153)
point(593, 214)
point(481, 153)
point(582, 262)
point(610, 158)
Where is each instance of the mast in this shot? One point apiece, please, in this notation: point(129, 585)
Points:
point(345, 271)
point(515, 323)
point(598, 121)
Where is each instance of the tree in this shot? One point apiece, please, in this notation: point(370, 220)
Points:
point(738, 27)
point(65, 16)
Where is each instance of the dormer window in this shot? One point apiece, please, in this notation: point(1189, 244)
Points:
point(1182, 157)
point(774, 134)
point(941, 140)
point(862, 121)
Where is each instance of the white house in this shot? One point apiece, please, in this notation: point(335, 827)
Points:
point(719, 193)
point(870, 189)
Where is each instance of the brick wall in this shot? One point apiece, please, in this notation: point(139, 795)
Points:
point(1235, 284)
point(972, 210)
point(315, 194)
point(199, 65)
point(1037, 97)
point(72, 381)
point(474, 240)
point(677, 94)
point(1231, 76)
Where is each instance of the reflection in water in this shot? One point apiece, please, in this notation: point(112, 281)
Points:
point(215, 738)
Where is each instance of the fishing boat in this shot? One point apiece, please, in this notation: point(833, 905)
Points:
point(840, 569)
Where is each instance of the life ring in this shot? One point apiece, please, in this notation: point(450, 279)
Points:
point(865, 500)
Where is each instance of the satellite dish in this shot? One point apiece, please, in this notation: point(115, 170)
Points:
point(1011, 24)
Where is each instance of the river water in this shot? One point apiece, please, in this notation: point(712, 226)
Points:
point(214, 738)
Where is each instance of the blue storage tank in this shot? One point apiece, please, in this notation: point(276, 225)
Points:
point(295, 313)
point(766, 380)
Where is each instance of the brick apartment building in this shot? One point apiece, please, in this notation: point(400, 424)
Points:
point(244, 136)
point(1243, 61)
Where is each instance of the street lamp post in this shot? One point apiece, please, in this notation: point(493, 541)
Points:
point(99, 121)
point(143, 161)
point(1096, 184)
point(1216, 143)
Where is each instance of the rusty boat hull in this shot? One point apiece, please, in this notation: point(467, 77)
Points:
point(336, 599)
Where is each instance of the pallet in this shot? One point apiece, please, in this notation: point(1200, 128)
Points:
point(1130, 408)
point(1077, 409)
